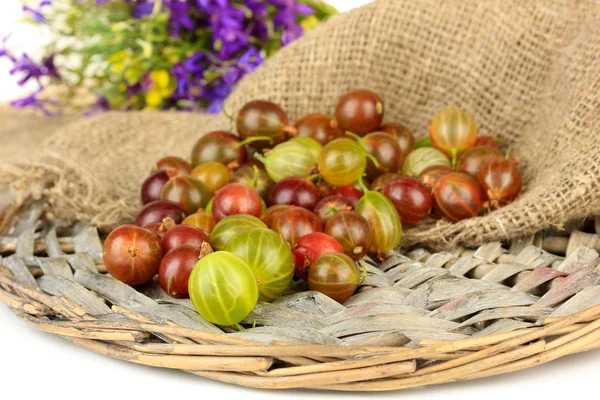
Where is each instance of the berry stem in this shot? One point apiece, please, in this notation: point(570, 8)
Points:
point(260, 158)
point(254, 139)
point(238, 327)
point(311, 178)
point(508, 152)
point(226, 114)
point(364, 273)
point(373, 159)
point(454, 158)
point(255, 178)
point(354, 136)
point(364, 187)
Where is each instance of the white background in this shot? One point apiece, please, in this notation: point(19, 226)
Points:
point(34, 364)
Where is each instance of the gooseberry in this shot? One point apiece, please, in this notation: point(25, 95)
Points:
point(359, 111)
point(236, 198)
point(309, 248)
point(223, 288)
point(176, 163)
point(213, 174)
point(132, 254)
point(295, 191)
point(155, 227)
point(473, 159)
point(431, 175)
point(292, 158)
point(491, 141)
point(268, 256)
point(350, 193)
point(385, 152)
point(403, 136)
point(295, 222)
point(501, 181)
point(186, 191)
point(411, 198)
point(383, 219)
point(335, 275)
point(383, 180)
point(319, 127)
point(453, 131)
point(176, 267)
point(202, 220)
point(230, 226)
point(255, 177)
point(457, 196)
point(420, 159)
point(158, 210)
point(272, 214)
point(183, 234)
point(342, 162)
point(153, 185)
point(352, 231)
point(219, 147)
point(331, 205)
point(261, 118)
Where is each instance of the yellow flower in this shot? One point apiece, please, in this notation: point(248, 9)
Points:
point(310, 23)
point(161, 88)
point(118, 60)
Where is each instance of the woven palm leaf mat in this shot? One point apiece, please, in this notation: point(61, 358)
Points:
point(421, 318)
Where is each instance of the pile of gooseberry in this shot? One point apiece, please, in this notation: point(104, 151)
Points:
point(249, 213)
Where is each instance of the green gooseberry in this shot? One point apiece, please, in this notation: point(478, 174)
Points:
point(343, 162)
point(292, 158)
point(208, 207)
point(314, 147)
point(230, 226)
point(223, 288)
point(420, 159)
point(383, 219)
point(268, 256)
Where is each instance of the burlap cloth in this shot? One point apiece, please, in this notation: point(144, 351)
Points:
point(527, 70)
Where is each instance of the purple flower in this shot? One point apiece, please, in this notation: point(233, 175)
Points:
point(100, 105)
point(30, 69)
point(37, 13)
point(285, 19)
point(227, 23)
point(142, 9)
point(246, 64)
point(3, 51)
point(32, 101)
point(179, 17)
point(215, 96)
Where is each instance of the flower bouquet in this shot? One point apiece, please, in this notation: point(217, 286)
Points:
point(153, 54)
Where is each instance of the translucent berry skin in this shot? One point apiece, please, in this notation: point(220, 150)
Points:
point(296, 157)
point(335, 275)
point(383, 220)
point(501, 181)
point(453, 131)
point(319, 127)
point(272, 214)
point(331, 205)
point(359, 111)
point(132, 254)
point(342, 162)
point(220, 147)
point(352, 231)
point(213, 174)
point(202, 220)
point(383, 180)
point(268, 256)
point(295, 191)
point(158, 210)
point(223, 288)
point(309, 248)
point(457, 196)
point(491, 141)
point(262, 118)
point(411, 198)
point(295, 222)
point(183, 234)
point(186, 191)
point(350, 193)
point(403, 136)
point(179, 164)
point(431, 176)
point(236, 198)
point(153, 185)
point(420, 159)
point(253, 176)
point(175, 269)
point(473, 159)
point(385, 150)
point(230, 226)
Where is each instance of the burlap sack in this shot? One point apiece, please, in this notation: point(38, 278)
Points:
point(527, 70)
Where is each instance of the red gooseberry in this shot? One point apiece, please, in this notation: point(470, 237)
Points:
point(411, 198)
point(236, 198)
point(309, 248)
point(183, 234)
point(132, 254)
point(177, 265)
point(457, 196)
point(501, 181)
point(295, 191)
point(294, 222)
